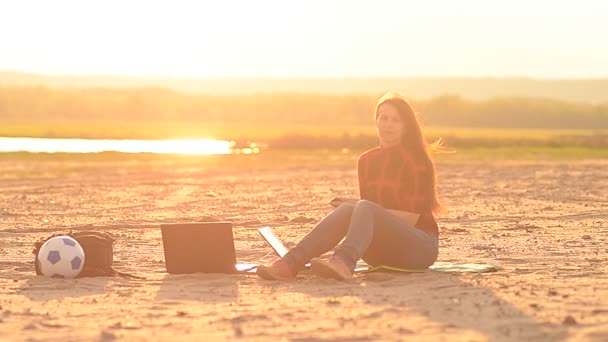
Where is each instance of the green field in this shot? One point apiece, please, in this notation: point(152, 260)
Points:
point(264, 133)
point(167, 130)
point(304, 144)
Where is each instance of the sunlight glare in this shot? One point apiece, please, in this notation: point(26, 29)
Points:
point(180, 146)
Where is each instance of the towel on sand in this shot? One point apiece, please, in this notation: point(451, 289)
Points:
point(440, 266)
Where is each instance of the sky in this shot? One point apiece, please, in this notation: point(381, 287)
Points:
point(314, 38)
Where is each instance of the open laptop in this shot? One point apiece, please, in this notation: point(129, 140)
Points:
point(206, 247)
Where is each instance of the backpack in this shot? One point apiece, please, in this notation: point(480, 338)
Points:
point(97, 247)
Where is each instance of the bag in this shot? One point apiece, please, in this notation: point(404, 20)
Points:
point(97, 247)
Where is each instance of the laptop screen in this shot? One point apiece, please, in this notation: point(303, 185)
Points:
point(199, 247)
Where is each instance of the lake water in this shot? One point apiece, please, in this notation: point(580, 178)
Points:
point(183, 146)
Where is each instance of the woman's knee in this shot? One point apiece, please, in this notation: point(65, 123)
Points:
point(367, 205)
point(346, 205)
point(344, 208)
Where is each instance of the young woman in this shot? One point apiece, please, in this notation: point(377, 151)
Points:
point(393, 223)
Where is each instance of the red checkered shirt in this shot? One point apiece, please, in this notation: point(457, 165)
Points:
point(394, 178)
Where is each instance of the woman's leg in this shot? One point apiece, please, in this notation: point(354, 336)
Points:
point(322, 238)
point(383, 238)
point(409, 248)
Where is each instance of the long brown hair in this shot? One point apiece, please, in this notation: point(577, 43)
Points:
point(414, 139)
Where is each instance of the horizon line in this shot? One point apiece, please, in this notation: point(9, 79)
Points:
point(300, 77)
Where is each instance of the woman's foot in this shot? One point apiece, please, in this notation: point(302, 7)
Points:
point(278, 270)
point(335, 268)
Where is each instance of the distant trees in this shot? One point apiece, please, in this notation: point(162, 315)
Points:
point(515, 112)
point(156, 104)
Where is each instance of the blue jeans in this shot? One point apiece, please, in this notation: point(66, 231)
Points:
point(370, 232)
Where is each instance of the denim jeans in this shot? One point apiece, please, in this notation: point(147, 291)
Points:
point(370, 232)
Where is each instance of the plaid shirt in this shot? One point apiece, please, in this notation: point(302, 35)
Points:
point(395, 179)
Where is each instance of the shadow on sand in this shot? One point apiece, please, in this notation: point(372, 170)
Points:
point(443, 298)
point(41, 288)
point(204, 287)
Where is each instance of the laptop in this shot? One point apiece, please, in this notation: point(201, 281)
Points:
point(206, 247)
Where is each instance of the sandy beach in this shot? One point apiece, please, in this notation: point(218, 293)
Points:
point(544, 222)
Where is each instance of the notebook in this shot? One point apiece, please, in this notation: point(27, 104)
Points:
point(206, 247)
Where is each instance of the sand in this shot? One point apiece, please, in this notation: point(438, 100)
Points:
point(544, 222)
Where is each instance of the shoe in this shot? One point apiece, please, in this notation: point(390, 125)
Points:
point(278, 270)
point(335, 268)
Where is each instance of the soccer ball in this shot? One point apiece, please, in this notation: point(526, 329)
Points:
point(61, 257)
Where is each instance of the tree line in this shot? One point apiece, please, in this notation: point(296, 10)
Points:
point(158, 104)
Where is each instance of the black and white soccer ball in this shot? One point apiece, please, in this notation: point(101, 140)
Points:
point(61, 257)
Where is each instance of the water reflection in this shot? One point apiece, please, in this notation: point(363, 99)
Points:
point(180, 146)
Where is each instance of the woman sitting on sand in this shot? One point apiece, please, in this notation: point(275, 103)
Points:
point(393, 223)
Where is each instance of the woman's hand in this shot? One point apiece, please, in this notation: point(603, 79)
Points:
point(411, 218)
